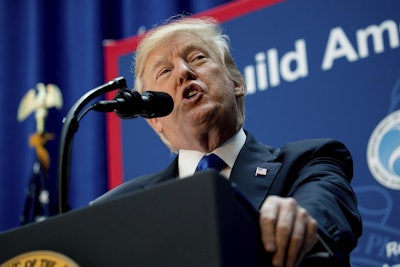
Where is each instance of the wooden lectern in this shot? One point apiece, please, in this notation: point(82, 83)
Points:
point(199, 221)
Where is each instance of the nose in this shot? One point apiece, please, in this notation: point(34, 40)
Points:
point(185, 73)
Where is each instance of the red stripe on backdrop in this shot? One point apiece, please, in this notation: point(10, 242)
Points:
point(236, 9)
point(113, 123)
point(113, 50)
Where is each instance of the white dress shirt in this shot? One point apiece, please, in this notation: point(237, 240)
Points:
point(228, 151)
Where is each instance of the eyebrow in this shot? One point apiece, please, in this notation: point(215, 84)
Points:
point(195, 46)
point(159, 60)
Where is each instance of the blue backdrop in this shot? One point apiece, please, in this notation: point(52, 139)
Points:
point(313, 68)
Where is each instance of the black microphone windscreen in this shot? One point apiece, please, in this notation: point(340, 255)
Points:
point(156, 104)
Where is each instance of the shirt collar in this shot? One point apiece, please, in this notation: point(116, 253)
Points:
point(228, 151)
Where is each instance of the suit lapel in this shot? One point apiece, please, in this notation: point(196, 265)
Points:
point(252, 156)
point(170, 173)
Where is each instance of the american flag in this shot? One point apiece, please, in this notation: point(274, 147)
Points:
point(37, 195)
point(37, 201)
point(261, 171)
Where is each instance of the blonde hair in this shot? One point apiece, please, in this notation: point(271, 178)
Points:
point(206, 29)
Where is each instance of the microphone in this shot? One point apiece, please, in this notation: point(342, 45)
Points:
point(129, 104)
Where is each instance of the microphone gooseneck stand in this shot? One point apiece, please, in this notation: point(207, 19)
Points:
point(70, 126)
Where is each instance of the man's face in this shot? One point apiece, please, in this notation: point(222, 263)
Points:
point(205, 108)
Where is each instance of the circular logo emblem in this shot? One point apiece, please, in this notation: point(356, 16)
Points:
point(40, 258)
point(383, 152)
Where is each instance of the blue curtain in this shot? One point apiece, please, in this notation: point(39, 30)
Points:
point(60, 42)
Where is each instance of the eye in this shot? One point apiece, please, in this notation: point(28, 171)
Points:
point(197, 57)
point(200, 56)
point(162, 72)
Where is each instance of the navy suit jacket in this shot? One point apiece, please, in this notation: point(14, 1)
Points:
point(316, 172)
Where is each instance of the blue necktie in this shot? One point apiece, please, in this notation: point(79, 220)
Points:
point(211, 161)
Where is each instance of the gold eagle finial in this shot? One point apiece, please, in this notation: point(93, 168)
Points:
point(39, 102)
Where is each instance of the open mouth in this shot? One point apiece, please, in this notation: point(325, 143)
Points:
point(190, 92)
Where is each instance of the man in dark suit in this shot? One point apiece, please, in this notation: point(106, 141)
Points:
point(307, 207)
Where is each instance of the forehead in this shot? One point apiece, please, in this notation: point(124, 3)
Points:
point(180, 43)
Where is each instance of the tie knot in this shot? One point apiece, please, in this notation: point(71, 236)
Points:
point(211, 161)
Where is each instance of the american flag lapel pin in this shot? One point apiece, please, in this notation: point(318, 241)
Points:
point(261, 171)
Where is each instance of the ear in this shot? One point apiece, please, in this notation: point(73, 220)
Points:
point(156, 124)
point(239, 90)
